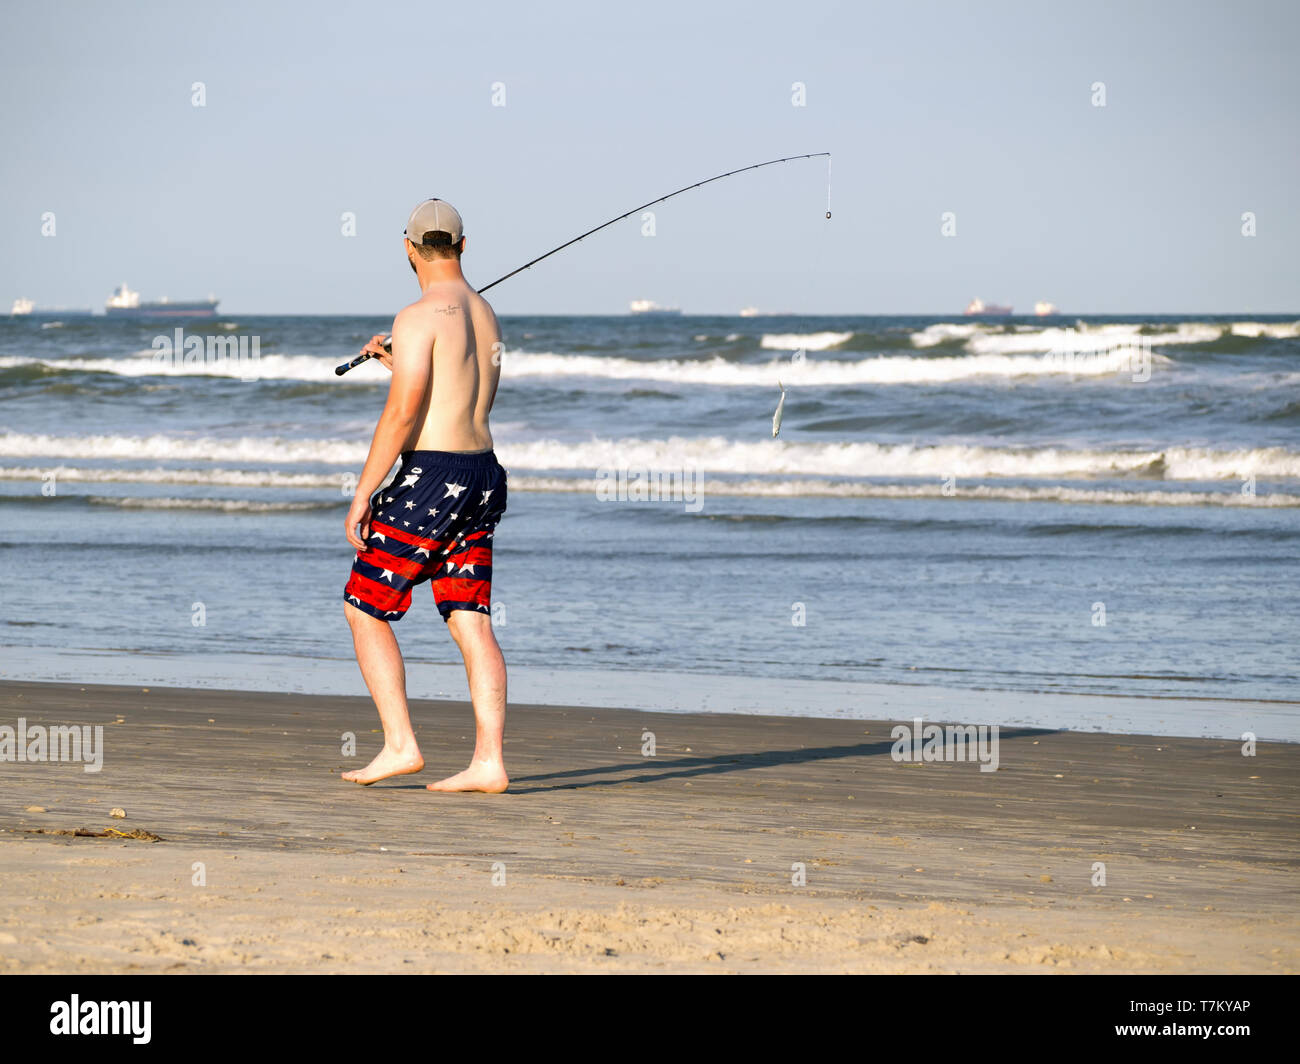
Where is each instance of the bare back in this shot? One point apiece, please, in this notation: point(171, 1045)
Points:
point(458, 329)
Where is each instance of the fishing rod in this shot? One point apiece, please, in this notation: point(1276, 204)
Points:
point(387, 343)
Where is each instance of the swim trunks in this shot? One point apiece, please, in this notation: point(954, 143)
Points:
point(434, 521)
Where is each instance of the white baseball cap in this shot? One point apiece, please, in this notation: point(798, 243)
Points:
point(434, 216)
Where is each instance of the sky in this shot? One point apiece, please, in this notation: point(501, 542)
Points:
point(983, 114)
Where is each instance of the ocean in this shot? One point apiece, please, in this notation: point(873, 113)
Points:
point(1107, 506)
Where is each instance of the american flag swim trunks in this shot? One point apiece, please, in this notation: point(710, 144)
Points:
point(434, 521)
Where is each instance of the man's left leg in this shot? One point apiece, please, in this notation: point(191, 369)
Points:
point(485, 668)
point(384, 671)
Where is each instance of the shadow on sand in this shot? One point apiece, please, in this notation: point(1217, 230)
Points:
point(656, 771)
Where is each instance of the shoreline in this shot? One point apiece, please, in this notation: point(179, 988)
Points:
point(695, 692)
point(684, 861)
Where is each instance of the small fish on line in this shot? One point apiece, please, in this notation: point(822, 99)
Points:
point(780, 407)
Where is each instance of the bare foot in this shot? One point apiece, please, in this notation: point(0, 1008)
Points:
point(483, 776)
point(387, 763)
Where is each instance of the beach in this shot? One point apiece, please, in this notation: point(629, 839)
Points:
point(868, 436)
point(744, 844)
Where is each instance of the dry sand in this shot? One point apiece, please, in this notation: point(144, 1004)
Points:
point(617, 862)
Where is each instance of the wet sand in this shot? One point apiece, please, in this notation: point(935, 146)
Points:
point(603, 859)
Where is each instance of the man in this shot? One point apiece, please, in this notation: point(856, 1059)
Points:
point(435, 520)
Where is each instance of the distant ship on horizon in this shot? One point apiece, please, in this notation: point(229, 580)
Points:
point(650, 307)
point(125, 303)
point(979, 309)
point(1044, 309)
point(25, 308)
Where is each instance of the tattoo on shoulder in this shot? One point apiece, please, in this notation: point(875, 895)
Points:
point(450, 308)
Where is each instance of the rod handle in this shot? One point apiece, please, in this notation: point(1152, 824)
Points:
point(386, 344)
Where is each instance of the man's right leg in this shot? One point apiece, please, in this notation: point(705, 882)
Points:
point(381, 664)
point(486, 669)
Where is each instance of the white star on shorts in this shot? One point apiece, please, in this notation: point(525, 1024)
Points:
point(387, 575)
point(454, 490)
point(422, 550)
point(486, 494)
point(410, 479)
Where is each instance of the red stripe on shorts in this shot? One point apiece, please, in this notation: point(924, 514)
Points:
point(470, 555)
point(379, 596)
point(454, 589)
point(380, 559)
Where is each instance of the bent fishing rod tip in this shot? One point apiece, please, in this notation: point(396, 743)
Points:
point(605, 225)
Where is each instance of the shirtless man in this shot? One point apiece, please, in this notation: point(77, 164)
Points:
point(435, 520)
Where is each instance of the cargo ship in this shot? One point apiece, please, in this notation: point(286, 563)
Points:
point(979, 309)
point(647, 306)
point(25, 308)
point(126, 304)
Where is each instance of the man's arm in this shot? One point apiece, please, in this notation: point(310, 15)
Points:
point(411, 366)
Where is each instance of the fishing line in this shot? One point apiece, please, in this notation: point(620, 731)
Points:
point(340, 370)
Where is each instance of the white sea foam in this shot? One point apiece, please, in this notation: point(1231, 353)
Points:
point(886, 369)
point(718, 372)
point(987, 339)
point(237, 478)
point(1275, 330)
point(991, 493)
point(1054, 340)
point(774, 487)
point(252, 506)
point(819, 341)
point(264, 367)
point(245, 449)
point(712, 454)
point(774, 457)
point(942, 332)
point(995, 354)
